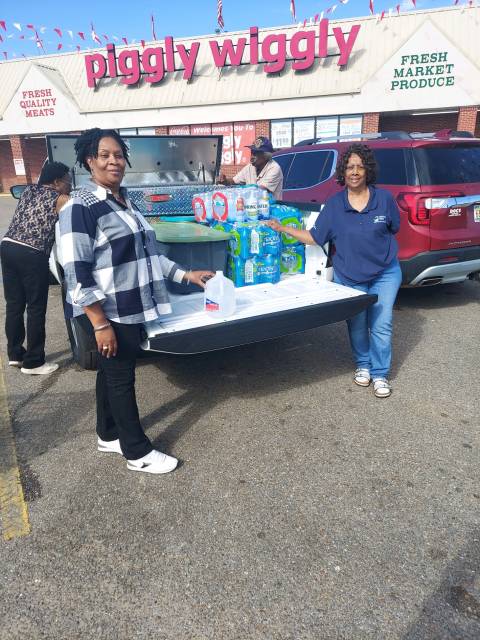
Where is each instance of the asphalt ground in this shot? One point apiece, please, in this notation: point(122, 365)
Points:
point(304, 508)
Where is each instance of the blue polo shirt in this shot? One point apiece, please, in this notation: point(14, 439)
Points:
point(364, 240)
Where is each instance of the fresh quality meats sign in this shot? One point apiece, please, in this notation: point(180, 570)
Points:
point(271, 53)
point(38, 103)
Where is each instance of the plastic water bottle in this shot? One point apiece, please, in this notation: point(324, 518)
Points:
point(251, 204)
point(263, 205)
point(220, 296)
point(250, 271)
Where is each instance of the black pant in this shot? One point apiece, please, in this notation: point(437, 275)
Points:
point(25, 285)
point(117, 411)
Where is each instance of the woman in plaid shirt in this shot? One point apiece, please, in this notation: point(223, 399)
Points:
point(115, 283)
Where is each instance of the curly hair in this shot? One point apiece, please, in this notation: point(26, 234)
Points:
point(86, 145)
point(368, 159)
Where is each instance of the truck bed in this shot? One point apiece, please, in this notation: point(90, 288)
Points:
point(263, 312)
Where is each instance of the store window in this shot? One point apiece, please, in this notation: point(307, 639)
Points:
point(281, 133)
point(290, 131)
point(303, 129)
point(137, 131)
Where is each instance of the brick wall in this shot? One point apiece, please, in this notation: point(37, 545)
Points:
point(35, 155)
point(422, 124)
point(370, 123)
point(477, 126)
point(467, 119)
point(7, 170)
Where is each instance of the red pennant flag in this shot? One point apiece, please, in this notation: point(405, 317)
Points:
point(293, 10)
point(125, 40)
point(398, 9)
point(78, 48)
point(142, 43)
point(30, 26)
point(316, 17)
point(414, 2)
point(21, 37)
point(106, 38)
point(59, 46)
point(3, 25)
point(370, 4)
point(382, 15)
point(82, 35)
point(58, 32)
point(152, 19)
point(305, 23)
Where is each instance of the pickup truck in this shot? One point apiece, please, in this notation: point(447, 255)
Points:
point(166, 171)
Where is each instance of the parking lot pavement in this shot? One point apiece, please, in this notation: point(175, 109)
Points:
point(304, 508)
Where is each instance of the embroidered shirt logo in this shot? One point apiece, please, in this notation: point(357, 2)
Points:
point(379, 219)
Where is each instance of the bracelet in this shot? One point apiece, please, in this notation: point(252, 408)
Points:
point(188, 277)
point(101, 327)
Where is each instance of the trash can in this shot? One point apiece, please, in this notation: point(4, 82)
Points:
point(194, 247)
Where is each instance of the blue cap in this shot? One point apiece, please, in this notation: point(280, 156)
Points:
point(260, 145)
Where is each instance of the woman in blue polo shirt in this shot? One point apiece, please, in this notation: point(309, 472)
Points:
point(361, 221)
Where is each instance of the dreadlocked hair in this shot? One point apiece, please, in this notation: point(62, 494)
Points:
point(86, 145)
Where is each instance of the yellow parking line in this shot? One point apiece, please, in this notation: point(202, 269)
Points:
point(13, 509)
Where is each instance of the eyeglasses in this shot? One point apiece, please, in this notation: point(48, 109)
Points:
point(353, 167)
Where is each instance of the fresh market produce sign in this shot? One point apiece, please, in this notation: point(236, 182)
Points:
point(423, 71)
point(271, 53)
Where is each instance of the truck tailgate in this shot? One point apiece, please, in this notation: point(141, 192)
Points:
point(263, 312)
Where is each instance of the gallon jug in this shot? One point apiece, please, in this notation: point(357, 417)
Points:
point(220, 296)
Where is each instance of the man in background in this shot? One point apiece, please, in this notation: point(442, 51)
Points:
point(262, 169)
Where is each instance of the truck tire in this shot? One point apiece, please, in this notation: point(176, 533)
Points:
point(82, 343)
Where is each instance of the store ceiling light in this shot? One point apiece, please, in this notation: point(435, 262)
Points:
point(433, 113)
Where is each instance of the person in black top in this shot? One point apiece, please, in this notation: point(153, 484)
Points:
point(24, 254)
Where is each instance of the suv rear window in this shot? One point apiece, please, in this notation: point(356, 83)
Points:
point(448, 165)
point(306, 168)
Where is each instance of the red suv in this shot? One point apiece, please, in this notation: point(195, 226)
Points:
point(435, 179)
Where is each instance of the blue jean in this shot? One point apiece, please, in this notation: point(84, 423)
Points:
point(371, 331)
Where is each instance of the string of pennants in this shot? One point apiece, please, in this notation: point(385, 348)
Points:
point(392, 11)
point(64, 39)
point(69, 39)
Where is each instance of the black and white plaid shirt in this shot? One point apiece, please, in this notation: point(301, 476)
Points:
point(109, 255)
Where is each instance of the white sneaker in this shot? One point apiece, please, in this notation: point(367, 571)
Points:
point(381, 387)
point(43, 370)
point(362, 377)
point(15, 363)
point(153, 462)
point(109, 446)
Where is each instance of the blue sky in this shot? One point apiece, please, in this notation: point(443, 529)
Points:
point(180, 18)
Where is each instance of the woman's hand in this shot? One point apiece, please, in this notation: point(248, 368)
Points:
point(106, 342)
point(198, 277)
point(274, 224)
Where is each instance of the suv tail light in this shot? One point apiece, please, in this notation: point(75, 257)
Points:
point(415, 205)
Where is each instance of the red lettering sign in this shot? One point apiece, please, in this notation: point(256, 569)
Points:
point(180, 130)
point(243, 135)
point(38, 103)
point(273, 52)
point(225, 129)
